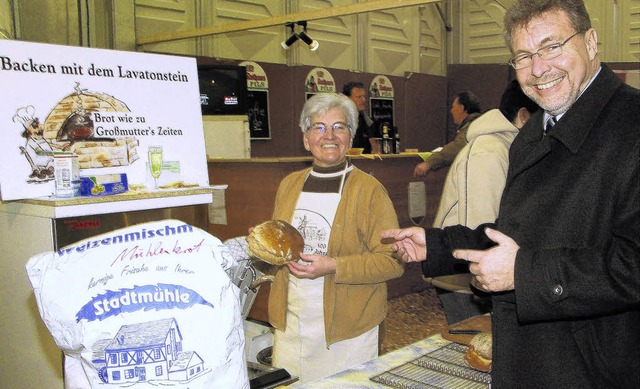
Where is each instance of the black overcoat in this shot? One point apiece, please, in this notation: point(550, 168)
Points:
point(572, 203)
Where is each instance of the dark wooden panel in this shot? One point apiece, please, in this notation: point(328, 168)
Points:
point(487, 81)
point(395, 173)
point(283, 117)
point(251, 193)
point(426, 110)
point(253, 184)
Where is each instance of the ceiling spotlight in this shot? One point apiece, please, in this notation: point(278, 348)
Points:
point(313, 44)
point(292, 39)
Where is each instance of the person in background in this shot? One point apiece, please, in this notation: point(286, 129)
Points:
point(326, 308)
point(366, 131)
point(563, 258)
point(474, 184)
point(464, 109)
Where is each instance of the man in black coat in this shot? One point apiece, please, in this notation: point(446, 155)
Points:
point(563, 258)
point(367, 128)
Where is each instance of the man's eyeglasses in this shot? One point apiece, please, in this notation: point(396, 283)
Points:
point(547, 52)
point(338, 128)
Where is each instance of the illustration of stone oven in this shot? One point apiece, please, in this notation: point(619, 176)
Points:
point(70, 127)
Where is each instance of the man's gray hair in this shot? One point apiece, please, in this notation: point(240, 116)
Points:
point(523, 11)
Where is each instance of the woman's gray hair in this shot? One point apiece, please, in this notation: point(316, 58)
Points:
point(321, 103)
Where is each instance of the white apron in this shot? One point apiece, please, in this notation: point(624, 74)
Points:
point(301, 349)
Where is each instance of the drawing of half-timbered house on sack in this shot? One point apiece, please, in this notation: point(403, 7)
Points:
point(149, 351)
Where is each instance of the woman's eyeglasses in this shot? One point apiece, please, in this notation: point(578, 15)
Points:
point(338, 128)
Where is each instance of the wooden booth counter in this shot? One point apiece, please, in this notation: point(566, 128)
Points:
point(252, 185)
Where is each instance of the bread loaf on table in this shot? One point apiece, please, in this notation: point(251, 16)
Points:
point(276, 242)
point(479, 354)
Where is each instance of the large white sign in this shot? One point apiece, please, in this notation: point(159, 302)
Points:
point(109, 108)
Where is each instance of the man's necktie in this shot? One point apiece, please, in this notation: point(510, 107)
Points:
point(550, 123)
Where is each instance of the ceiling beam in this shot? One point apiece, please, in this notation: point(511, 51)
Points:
point(345, 10)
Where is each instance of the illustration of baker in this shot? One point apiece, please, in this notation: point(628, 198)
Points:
point(37, 149)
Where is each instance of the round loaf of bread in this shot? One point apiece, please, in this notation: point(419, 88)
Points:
point(479, 354)
point(276, 242)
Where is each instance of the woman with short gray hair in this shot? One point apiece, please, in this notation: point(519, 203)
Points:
point(340, 279)
point(323, 102)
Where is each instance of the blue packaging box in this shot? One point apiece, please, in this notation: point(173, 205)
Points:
point(103, 185)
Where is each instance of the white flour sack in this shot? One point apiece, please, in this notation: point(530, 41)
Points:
point(146, 306)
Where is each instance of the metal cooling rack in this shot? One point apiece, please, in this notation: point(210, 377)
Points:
point(442, 368)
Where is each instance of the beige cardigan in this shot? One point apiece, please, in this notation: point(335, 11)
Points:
point(355, 297)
